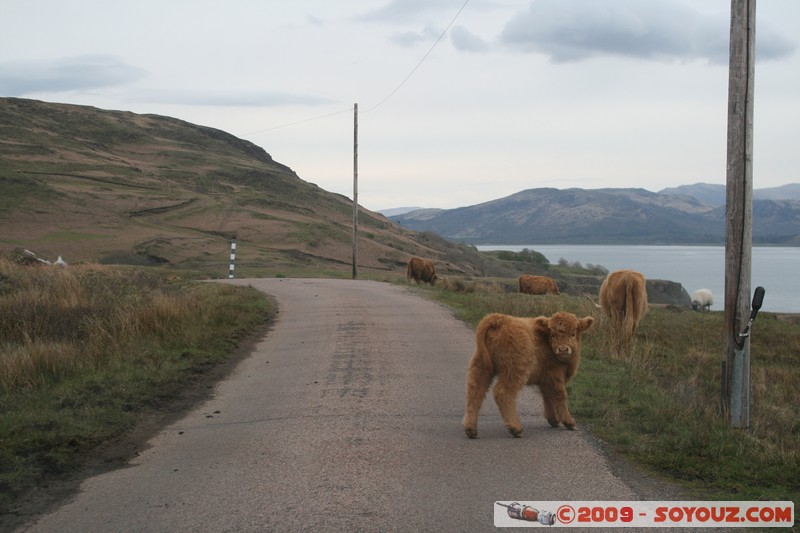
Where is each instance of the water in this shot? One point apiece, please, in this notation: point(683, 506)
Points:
point(694, 267)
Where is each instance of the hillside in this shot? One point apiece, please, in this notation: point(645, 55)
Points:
point(714, 195)
point(602, 216)
point(118, 187)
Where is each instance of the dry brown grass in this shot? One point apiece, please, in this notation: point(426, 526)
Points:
point(56, 320)
point(85, 350)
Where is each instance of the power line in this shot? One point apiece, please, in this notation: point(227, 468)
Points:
point(349, 109)
point(421, 61)
point(301, 121)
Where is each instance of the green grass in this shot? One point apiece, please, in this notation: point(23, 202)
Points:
point(68, 236)
point(21, 191)
point(86, 350)
point(660, 406)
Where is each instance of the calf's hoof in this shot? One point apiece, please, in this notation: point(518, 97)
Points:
point(471, 433)
point(570, 424)
point(553, 422)
point(515, 432)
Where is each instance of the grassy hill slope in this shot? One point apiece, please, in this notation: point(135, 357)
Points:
point(117, 187)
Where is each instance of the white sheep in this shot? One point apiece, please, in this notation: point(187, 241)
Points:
point(702, 300)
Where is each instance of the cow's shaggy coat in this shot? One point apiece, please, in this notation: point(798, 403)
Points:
point(542, 351)
point(537, 285)
point(623, 298)
point(421, 270)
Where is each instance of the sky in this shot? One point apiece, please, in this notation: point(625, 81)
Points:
point(459, 101)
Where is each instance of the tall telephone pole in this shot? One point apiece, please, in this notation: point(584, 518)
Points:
point(735, 380)
point(355, 191)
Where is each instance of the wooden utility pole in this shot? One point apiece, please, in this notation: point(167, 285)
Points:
point(739, 214)
point(355, 191)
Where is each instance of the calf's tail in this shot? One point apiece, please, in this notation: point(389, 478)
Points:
point(483, 356)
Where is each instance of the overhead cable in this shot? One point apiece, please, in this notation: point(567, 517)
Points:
point(399, 86)
point(421, 61)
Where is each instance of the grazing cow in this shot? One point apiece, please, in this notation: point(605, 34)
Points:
point(702, 300)
point(623, 297)
point(537, 285)
point(542, 351)
point(421, 270)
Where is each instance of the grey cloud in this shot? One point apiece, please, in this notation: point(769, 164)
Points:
point(770, 44)
point(465, 40)
point(99, 71)
point(412, 12)
point(410, 38)
point(575, 30)
point(65, 74)
point(228, 98)
point(435, 13)
point(315, 21)
point(406, 10)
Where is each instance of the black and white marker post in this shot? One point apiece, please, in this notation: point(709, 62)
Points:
point(233, 258)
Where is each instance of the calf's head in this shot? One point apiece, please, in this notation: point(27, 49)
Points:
point(563, 331)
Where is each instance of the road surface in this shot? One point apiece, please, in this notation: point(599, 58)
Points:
point(346, 417)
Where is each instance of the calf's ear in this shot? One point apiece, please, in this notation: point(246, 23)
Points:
point(541, 324)
point(585, 323)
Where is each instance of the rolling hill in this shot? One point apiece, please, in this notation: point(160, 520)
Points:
point(604, 216)
point(118, 187)
point(714, 195)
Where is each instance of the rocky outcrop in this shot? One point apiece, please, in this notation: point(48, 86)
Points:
point(661, 291)
point(25, 257)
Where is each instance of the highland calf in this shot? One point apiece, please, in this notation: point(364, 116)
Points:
point(623, 298)
point(537, 285)
point(421, 270)
point(542, 351)
point(702, 300)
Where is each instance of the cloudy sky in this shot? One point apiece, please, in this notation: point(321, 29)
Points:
point(459, 101)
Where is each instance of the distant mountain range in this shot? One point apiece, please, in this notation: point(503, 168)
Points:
point(714, 195)
point(689, 214)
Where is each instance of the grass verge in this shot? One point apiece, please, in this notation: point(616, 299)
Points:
point(660, 405)
point(86, 350)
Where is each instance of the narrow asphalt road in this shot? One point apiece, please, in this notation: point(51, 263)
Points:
point(346, 417)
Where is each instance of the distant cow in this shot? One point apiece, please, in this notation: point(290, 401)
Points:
point(542, 351)
point(537, 285)
point(623, 298)
point(702, 300)
point(421, 270)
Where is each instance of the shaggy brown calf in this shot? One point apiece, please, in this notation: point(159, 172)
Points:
point(537, 285)
point(542, 351)
point(419, 269)
point(623, 298)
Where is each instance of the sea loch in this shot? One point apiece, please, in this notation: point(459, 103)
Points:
point(777, 269)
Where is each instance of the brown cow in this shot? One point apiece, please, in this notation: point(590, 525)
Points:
point(623, 298)
point(542, 351)
point(421, 270)
point(537, 285)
